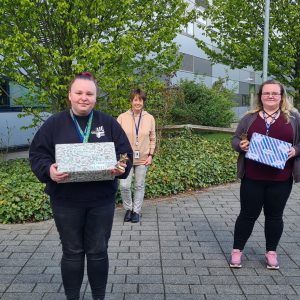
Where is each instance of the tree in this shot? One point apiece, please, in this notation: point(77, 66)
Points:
point(125, 43)
point(236, 28)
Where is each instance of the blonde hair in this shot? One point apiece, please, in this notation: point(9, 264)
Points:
point(285, 105)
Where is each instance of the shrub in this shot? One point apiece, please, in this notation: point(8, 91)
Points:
point(21, 195)
point(190, 162)
point(185, 161)
point(202, 105)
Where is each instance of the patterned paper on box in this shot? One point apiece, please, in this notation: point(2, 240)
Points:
point(86, 161)
point(268, 150)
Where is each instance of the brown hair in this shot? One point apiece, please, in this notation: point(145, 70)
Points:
point(139, 93)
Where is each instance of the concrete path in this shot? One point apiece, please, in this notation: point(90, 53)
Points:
point(179, 251)
point(17, 154)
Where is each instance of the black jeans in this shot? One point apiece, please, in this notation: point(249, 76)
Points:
point(84, 232)
point(255, 195)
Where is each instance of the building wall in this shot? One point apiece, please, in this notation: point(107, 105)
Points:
point(11, 133)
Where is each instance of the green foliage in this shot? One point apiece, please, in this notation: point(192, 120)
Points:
point(124, 43)
point(181, 164)
point(237, 29)
point(202, 105)
point(22, 197)
point(191, 161)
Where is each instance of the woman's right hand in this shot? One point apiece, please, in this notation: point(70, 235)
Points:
point(244, 145)
point(55, 175)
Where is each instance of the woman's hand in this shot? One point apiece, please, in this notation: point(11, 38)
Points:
point(148, 160)
point(292, 152)
point(55, 175)
point(116, 171)
point(244, 145)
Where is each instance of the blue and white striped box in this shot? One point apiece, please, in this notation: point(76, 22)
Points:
point(268, 151)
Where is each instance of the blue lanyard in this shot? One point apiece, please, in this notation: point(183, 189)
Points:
point(137, 127)
point(84, 136)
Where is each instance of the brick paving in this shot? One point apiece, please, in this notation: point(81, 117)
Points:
point(179, 251)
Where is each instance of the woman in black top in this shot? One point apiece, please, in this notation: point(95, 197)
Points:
point(83, 211)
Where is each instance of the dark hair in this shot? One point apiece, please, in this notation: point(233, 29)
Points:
point(139, 93)
point(85, 76)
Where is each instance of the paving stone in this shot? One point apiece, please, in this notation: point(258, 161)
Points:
point(30, 278)
point(256, 289)
point(143, 297)
point(54, 296)
point(21, 288)
point(124, 288)
point(21, 296)
point(47, 287)
point(10, 270)
point(184, 297)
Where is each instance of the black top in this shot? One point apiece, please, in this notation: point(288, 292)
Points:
point(60, 129)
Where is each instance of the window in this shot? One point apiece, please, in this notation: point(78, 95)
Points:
point(4, 90)
point(189, 29)
point(245, 100)
point(202, 66)
point(16, 91)
point(187, 63)
point(201, 3)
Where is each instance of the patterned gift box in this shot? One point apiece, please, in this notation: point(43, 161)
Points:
point(86, 161)
point(268, 150)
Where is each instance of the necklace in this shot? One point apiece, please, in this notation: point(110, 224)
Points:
point(273, 117)
point(272, 114)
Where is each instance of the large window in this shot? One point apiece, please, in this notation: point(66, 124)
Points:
point(197, 65)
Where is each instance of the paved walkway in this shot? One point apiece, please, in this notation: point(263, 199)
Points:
point(179, 251)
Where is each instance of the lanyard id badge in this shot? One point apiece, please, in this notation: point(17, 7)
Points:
point(137, 127)
point(137, 154)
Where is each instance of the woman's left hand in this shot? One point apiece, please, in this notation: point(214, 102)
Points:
point(292, 152)
point(116, 171)
point(148, 161)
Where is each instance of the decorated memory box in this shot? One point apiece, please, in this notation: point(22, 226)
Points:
point(86, 161)
point(268, 150)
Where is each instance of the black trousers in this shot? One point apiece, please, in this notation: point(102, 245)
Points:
point(255, 195)
point(84, 232)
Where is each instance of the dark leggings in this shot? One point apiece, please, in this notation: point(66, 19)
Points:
point(84, 232)
point(255, 195)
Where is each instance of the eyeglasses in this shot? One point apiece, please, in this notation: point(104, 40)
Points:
point(267, 94)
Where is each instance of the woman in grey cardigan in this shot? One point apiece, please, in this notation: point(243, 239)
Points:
point(263, 186)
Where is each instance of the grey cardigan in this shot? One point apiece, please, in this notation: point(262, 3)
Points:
point(243, 127)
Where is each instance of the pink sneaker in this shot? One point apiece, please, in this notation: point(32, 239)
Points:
point(271, 260)
point(236, 258)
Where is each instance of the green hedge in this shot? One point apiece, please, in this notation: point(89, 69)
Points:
point(189, 162)
point(185, 162)
point(22, 197)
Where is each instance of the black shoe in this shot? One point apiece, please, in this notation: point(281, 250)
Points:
point(128, 215)
point(135, 217)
